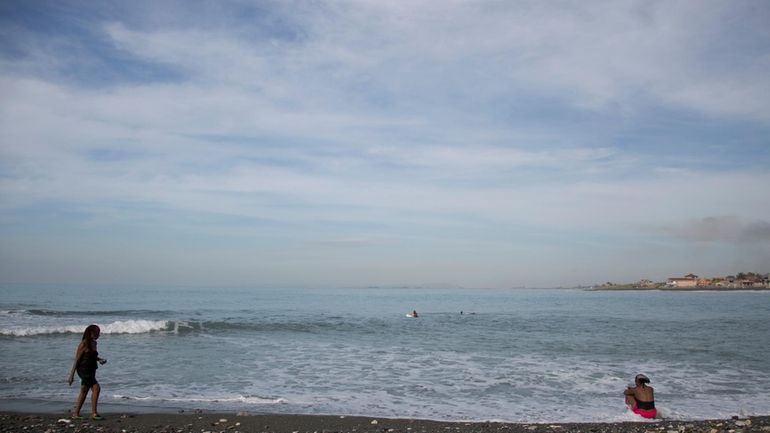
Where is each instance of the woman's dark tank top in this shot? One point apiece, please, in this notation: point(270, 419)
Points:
point(88, 360)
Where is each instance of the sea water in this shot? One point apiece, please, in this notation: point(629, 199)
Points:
point(512, 355)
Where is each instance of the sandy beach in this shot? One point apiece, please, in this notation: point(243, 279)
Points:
point(220, 422)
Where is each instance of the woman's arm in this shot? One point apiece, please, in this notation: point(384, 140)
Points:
point(101, 361)
point(78, 354)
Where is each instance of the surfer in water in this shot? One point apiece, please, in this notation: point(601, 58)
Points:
point(414, 313)
point(86, 359)
point(641, 398)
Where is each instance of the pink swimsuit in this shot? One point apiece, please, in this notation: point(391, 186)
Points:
point(651, 414)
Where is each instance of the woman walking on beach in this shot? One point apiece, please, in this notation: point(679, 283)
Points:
point(86, 359)
point(641, 398)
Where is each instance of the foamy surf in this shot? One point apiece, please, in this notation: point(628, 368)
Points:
point(241, 399)
point(117, 327)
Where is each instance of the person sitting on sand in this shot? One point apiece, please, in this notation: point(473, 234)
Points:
point(641, 398)
point(86, 359)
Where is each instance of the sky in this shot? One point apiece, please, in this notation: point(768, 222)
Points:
point(487, 144)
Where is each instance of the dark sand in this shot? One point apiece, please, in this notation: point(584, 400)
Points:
point(230, 423)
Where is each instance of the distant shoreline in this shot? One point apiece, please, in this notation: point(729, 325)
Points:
point(679, 289)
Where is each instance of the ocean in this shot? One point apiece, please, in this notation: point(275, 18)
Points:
point(526, 355)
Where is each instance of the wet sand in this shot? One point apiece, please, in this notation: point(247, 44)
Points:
point(231, 423)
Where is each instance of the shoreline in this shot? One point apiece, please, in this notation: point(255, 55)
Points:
point(63, 408)
point(127, 422)
point(679, 289)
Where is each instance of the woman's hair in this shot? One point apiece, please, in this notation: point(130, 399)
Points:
point(89, 333)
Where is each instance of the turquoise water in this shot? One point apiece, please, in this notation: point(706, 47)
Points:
point(514, 355)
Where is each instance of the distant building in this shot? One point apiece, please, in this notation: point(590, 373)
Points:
point(720, 282)
point(689, 280)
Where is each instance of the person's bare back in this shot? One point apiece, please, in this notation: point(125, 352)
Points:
point(641, 398)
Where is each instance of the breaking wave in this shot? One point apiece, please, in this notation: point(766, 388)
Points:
point(118, 327)
point(184, 327)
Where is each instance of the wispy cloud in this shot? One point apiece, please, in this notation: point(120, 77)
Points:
point(722, 229)
point(527, 131)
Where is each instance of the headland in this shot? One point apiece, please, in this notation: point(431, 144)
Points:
point(691, 282)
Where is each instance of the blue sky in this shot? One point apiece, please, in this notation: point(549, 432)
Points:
point(425, 143)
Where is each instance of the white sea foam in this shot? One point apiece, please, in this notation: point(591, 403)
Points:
point(206, 400)
point(117, 327)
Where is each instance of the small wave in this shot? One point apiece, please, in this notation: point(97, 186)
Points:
point(12, 312)
point(81, 313)
point(119, 327)
point(237, 399)
point(316, 326)
point(182, 327)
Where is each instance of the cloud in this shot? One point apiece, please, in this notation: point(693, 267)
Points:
point(722, 229)
point(757, 231)
point(493, 128)
point(587, 55)
point(592, 55)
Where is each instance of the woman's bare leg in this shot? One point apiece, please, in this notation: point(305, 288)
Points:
point(95, 390)
point(81, 400)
